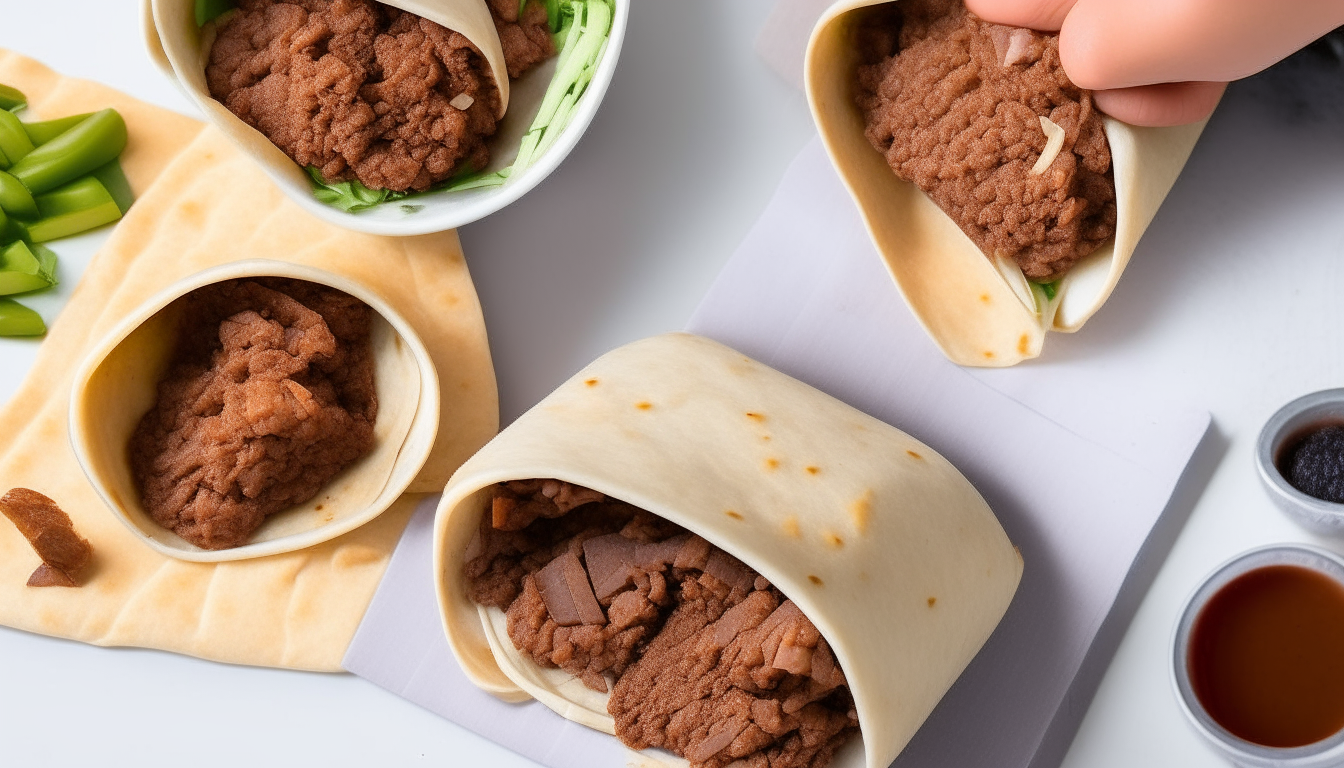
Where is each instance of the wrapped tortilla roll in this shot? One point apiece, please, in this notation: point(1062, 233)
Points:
point(978, 310)
point(119, 382)
point(882, 544)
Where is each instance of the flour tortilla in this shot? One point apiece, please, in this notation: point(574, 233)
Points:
point(118, 384)
point(182, 49)
point(209, 204)
point(691, 430)
point(963, 301)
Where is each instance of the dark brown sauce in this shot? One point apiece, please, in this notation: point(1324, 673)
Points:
point(1266, 656)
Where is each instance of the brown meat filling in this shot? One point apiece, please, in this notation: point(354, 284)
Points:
point(269, 396)
point(954, 103)
point(702, 656)
point(363, 90)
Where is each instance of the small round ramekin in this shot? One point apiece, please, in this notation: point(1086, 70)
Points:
point(1287, 423)
point(1326, 753)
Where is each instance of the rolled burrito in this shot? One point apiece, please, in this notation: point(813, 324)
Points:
point(764, 564)
point(974, 299)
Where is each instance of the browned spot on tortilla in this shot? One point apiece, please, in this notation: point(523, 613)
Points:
point(932, 600)
point(766, 438)
point(812, 470)
point(591, 382)
point(318, 508)
point(351, 555)
point(984, 297)
point(772, 463)
point(833, 539)
point(988, 354)
point(916, 455)
point(643, 405)
point(734, 515)
point(790, 526)
point(1023, 344)
point(861, 510)
point(815, 580)
point(755, 416)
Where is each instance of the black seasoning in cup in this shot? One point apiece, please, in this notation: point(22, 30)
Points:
point(1314, 462)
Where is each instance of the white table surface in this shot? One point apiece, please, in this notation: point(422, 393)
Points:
point(1219, 307)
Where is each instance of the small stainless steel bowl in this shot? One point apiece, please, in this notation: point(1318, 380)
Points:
point(1316, 514)
point(1323, 754)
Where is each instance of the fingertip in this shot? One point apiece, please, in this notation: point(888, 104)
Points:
point(1045, 15)
point(1161, 105)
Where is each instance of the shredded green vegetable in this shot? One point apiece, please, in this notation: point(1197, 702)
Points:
point(1050, 289)
point(581, 29)
point(209, 10)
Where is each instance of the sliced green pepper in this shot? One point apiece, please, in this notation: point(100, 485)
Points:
point(21, 270)
point(12, 98)
point(114, 181)
point(92, 143)
point(18, 320)
point(45, 130)
point(77, 207)
point(15, 199)
point(13, 139)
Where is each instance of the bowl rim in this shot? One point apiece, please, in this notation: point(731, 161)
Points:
point(452, 216)
point(1328, 751)
point(426, 413)
point(1270, 442)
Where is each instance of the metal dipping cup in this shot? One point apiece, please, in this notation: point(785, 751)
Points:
point(1322, 754)
point(1326, 406)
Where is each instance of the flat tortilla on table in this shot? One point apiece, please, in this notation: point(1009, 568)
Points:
point(970, 310)
point(209, 204)
point(881, 542)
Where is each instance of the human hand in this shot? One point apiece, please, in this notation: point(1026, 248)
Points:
point(1166, 62)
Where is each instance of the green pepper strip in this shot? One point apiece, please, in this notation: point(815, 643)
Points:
point(114, 181)
point(90, 144)
point(15, 199)
point(13, 139)
point(21, 270)
point(45, 130)
point(18, 320)
point(12, 98)
point(79, 206)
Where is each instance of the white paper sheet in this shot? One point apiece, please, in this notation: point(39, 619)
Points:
point(1078, 466)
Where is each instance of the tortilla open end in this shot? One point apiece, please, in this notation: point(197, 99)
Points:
point(956, 292)
point(182, 49)
point(880, 541)
point(117, 384)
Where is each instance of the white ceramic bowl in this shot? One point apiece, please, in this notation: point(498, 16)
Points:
point(117, 384)
point(444, 210)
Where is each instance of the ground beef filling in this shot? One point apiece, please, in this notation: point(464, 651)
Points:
point(364, 91)
point(954, 103)
point(702, 656)
point(269, 395)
